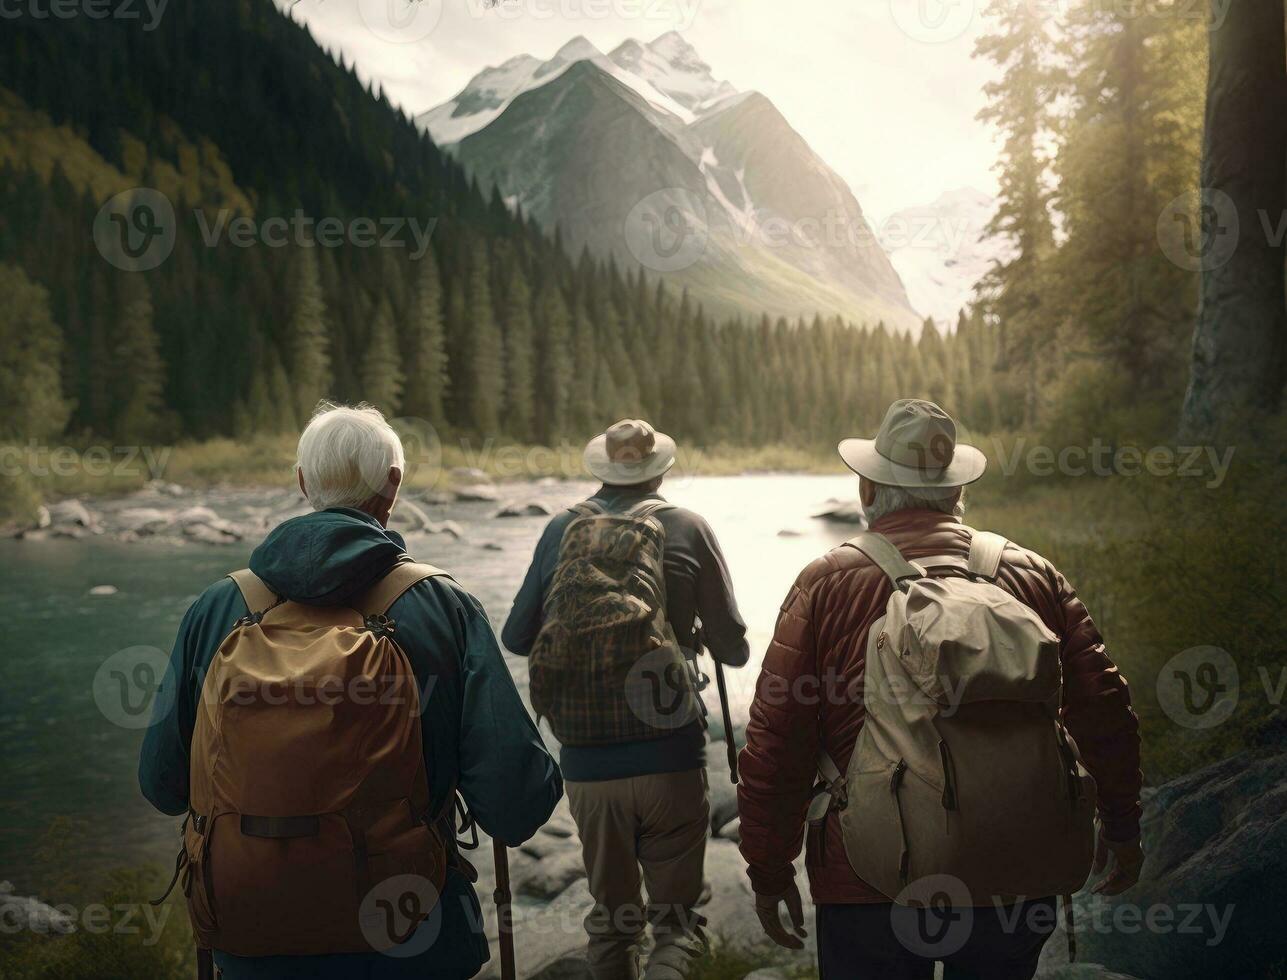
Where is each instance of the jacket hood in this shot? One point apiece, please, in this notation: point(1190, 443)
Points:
point(326, 558)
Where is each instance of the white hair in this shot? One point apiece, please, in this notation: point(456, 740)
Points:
point(345, 455)
point(890, 499)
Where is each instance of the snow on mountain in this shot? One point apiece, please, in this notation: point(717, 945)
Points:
point(671, 65)
point(614, 149)
point(940, 251)
point(490, 92)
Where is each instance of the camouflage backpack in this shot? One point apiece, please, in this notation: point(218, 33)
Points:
point(606, 666)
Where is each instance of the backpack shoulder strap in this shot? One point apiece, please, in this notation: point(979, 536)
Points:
point(588, 508)
point(377, 600)
point(258, 596)
point(647, 508)
point(985, 554)
point(889, 559)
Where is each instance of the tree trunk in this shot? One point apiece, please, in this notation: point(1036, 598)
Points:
point(1240, 345)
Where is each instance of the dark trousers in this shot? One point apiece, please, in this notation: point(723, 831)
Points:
point(888, 942)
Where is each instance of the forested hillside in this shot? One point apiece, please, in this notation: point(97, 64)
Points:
point(494, 331)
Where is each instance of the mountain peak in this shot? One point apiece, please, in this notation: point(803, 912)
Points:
point(577, 49)
point(673, 46)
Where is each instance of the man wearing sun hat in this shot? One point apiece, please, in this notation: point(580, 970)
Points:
point(640, 804)
point(911, 480)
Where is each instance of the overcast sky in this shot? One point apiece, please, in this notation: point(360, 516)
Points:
point(885, 91)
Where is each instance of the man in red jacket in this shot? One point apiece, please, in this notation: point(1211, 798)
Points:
point(912, 476)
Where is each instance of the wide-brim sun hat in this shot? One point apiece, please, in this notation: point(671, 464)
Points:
point(629, 452)
point(915, 448)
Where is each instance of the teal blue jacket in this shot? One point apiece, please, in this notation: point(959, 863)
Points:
point(477, 732)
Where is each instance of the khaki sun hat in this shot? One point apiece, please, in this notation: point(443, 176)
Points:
point(915, 448)
point(630, 452)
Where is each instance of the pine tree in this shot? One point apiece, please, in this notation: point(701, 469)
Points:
point(484, 377)
point(32, 405)
point(382, 376)
point(1020, 45)
point(520, 359)
point(308, 337)
point(137, 381)
point(427, 375)
point(554, 363)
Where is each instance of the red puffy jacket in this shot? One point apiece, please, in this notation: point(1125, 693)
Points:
point(805, 697)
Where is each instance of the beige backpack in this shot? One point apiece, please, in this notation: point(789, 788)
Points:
point(962, 767)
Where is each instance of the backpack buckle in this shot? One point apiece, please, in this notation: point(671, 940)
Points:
point(250, 619)
point(380, 625)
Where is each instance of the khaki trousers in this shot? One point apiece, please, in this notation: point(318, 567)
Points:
point(649, 831)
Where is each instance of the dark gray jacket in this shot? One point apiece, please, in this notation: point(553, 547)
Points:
point(698, 587)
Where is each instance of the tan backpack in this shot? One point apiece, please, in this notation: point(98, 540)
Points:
point(309, 797)
point(962, 767)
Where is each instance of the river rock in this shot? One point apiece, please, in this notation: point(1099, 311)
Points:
point(103, 590)
point(551, 876)
point(788, 532)
point(469, 476)
point(445, 527)
point(143, 520)
point(164, 488)
point(732, 831)
point(195, 515)
point(765, 974)
point(530, 508)
point(71, 513)
point(217, 532)
point(491, 546)
point(842, 512)
point(477, 492)
point(24, 913)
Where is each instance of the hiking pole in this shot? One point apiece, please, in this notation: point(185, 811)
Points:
point(729, 741)
point(504, 915)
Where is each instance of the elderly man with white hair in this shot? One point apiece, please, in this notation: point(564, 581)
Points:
point(294, 799)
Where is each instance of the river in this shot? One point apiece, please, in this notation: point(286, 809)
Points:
point(68, 796)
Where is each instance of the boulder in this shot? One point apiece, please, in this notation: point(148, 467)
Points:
point(491, 546)
point(529, 508)
point(144, 520)
point(469, 475)
point(1213, 885)
point(103, 590)
point(445, 527)
point(70, 513)
point(477, 492)
point(732, 831)
point(217, 532)
point(842, 512)
point(551, 876)
point(194, 515)
point(163, 488)
point(23, 913)
point(788, 532)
